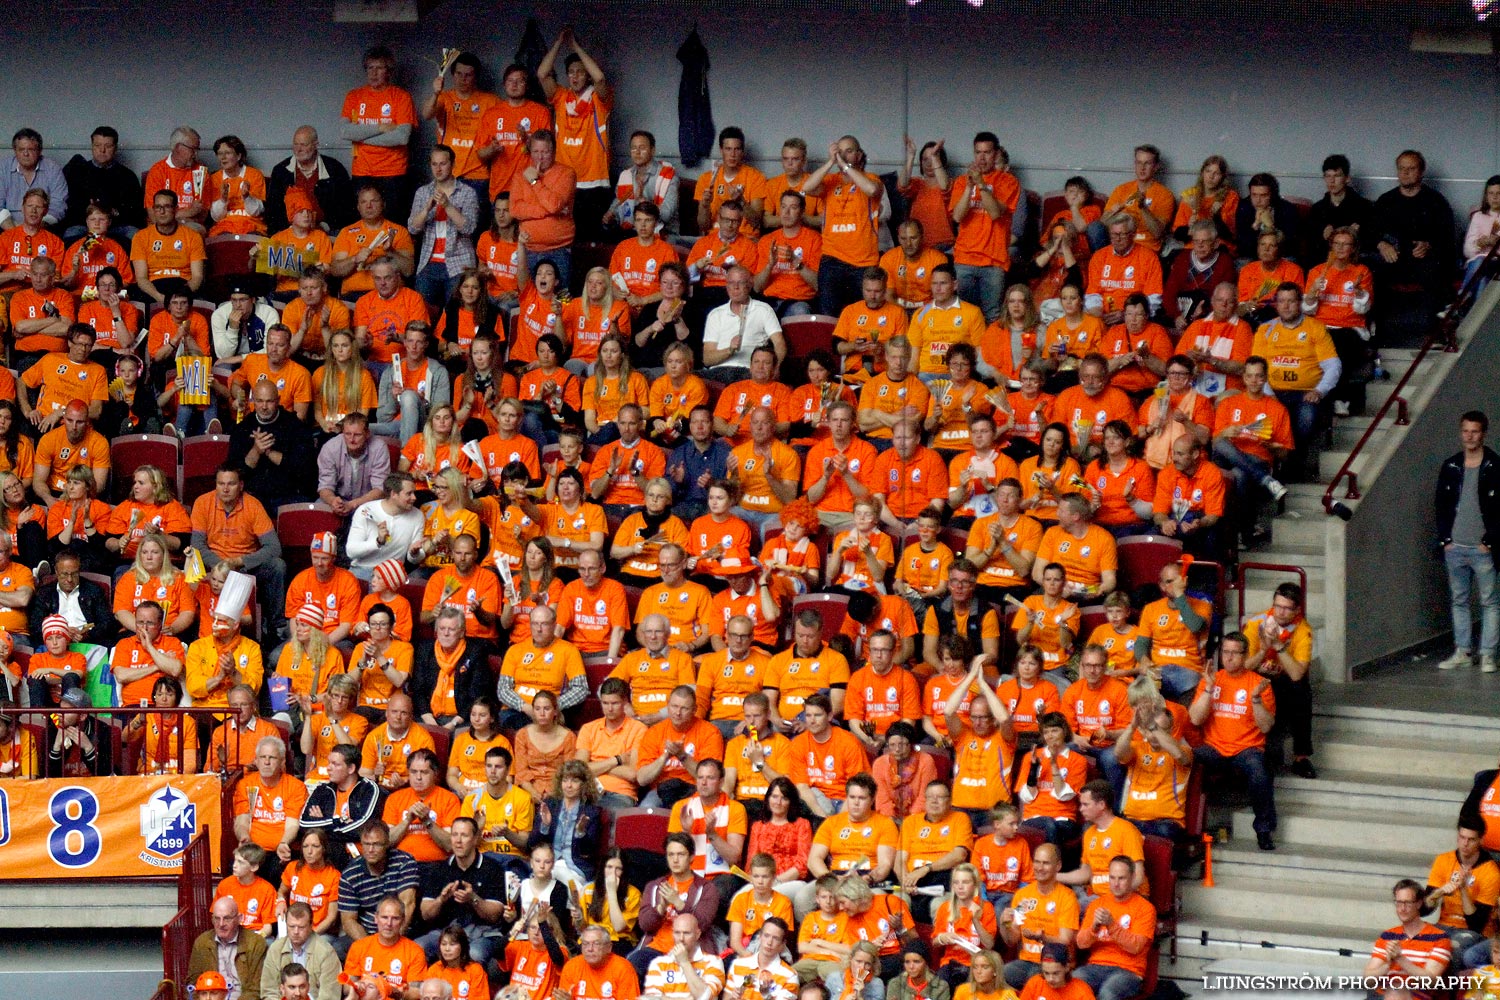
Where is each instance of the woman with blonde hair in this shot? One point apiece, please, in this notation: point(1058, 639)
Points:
point(591, 317)
point(152, 577)
point(150, 505)
point(342, 385)
point(986, 980)
point(858, 978)
point(569, 819)
point(308, 660)
point(962, 925)
point(76, 520)
point(437, 446)
point(447, 516)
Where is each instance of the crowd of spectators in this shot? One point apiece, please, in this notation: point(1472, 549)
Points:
point(577, 536)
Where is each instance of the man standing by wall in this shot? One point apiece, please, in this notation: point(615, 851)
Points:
point(1467, 514)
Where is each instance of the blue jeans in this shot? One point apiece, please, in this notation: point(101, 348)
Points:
point(535, 428)
point(1054, 831)
point(1177, 681)
point(185, 414)
point(838, 285)
point(1470, 567)
point(1098, 235)
point(757, 519)
point(434, 283)
point(1109, 768)
point(641, 959)
point(1167, 828)
point(1019, 972)
point(791, 307)
point(1252, 764)
point(411, 414)
point(561, 258)
point(982, 286)
point(1304, 414)
point(1110, 982)
point(484, 943)
point(1472, 956)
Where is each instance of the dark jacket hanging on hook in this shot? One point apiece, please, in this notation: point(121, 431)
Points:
point(695, 116)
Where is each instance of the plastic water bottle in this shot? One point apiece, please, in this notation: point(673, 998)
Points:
point(1378, 372)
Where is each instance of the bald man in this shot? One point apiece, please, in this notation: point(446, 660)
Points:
point(63, 448)
point(325, 179)
point(274, 449)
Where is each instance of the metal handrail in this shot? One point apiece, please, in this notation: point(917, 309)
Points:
point(1446, 336)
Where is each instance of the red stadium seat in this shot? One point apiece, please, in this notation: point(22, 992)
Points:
point(805, 334)
point(296, 524)
point(394, 447)
point(105, 582)
point(129, 452)
point(228, 259)
point(201, 458)
point(632, 598)
point(944, 761)
point(597, 668)
point(833, 608)
point(1142, 558)
point(1092, 618)
point(1163, 896)
point(640, 829)
point(442, 742)
point(715, 389)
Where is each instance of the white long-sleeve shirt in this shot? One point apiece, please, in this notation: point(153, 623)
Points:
point(364, 551)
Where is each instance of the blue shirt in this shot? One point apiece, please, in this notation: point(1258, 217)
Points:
point(714, 461)
point(49, 177)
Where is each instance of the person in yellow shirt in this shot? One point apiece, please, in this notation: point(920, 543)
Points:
point(502, 809)
point(219, 661)
point(945, 321)
point(655, 670)
point(1304, 364)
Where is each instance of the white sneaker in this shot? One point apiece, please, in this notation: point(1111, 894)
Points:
point(1340, 408)
point(1487, 664)
point(1460, 658)
point(1274, 488)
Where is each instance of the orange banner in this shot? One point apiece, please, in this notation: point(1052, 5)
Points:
point(105, 827)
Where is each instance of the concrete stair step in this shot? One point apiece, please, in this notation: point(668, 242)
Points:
point(1382, 723)
point(109, 904)
point(1343, 752)
point(1232, 897)
point(1356, 830)
point(1374, 790)
point(1332, 866)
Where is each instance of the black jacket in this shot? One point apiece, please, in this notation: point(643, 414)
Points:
point(1285, 215)
point(116, 187)
point(363, 805)
point(334, 194)
point(472, 676)
point(585, 845)
point(90, 600)
point(273, 485)
point(1451, 483)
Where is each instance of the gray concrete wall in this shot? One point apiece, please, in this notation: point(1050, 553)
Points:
point(1394, 589)
point(1069, 87)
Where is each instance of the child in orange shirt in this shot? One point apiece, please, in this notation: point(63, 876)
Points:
point(255, 896)
point(57, 661)
point(793, 558)
point(1117, 635)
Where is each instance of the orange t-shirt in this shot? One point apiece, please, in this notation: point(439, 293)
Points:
point(982, 241)
point(786, 256)
point(747, 185)
point(1203, 490)
point(318, 888)
point(1227, 341)
point(168, 256)
point(583, 134)
point(1049, 912)
point(293, 383)
point(257, 901)
point(1118, 340)
point(317, 328)
point(97, 315)
point(1336, 301)
point(386, 319)
point(1230, 727)
point(390, 105)
point(644, 459)
point(1074, 768)
point(928, 204)
point(589, 617)
point(911, 280)
point(1089, 709)
point(1115, 277)
point(459, 119)
point(849, 220)
point(924, 570)
point(354, 237)
point(636, 269)
point(1074, 407)
point(882, 701)
point(1157, 199)
point(1137, 478)
point(1273, 424)
point(233, 191)
point(418, 842)
point(1133, 915)
point(859, 322)
point(1026, 705)
point(27, 304)
point(508, 126)
point(1084, 559)
point(400, 964)
point(273, 805)
point(303, 251)
point(1257, 283)
point(1004, 867)
point(1171, 640)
